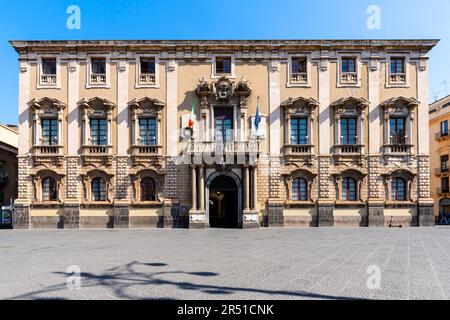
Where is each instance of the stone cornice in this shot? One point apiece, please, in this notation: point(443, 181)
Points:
point(201, 46)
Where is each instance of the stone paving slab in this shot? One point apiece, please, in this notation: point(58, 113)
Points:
point(328, 263)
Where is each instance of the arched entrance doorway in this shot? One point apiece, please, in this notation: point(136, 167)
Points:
point(224, 205)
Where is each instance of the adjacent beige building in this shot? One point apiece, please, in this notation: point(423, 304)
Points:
point(439, 154)
point(284, 133)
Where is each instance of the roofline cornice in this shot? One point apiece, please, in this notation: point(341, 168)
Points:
point(379, 44)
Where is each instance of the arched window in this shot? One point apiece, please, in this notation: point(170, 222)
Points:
point(398, 189)
point(148, 190)
point(98, 189)
point(299, 190)
point(349, 189)
point(49, 189)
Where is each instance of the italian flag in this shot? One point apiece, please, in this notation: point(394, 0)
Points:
point(192, 118)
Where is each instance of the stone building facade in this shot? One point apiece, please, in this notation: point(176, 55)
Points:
point(8, 171)
point(439, 154)
point(130, 134)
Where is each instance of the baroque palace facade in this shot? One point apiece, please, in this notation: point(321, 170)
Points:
point(342, 139)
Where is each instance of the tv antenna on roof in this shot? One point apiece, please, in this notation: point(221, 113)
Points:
point(445, 83)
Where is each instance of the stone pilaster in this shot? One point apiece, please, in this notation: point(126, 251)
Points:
point(71, 216)
point(121, 215)
point(172, 217)
point(275, 213)
point(426, 214)
point(324, 177)
point(21, 216)
point(325, 214)
point(72, 178)
point(375, 212)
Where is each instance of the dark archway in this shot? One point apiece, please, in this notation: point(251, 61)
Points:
point(223, 203)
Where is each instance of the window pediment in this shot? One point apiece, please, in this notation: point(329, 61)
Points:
point(146, 106)
point(300, 106)
point(350, 106)
point(47, 106)
point(96, 106)
point(399, 106)
point(350, 173)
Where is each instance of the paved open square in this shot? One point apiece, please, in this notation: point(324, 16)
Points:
point(287, 263)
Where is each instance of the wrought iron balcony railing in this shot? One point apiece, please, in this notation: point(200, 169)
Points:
point(224, 147)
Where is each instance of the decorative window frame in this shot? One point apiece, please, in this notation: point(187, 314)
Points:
point(358, 66)
point(46, 108)
point(39, 71)
point(136, 182)
point(399, 107)
point(389, 57)
point(138, 83)
point(215, 75)
point(87, 186)
point(146, 108)
point(349, 107)
point(358, 176)
point(308, 176)
point(89, 84)
point(38, 179)
point(307, 84)
point(89, 110)
point(406, 175)
point(299, 108)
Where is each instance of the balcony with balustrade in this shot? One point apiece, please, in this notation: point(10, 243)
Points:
point(46, 154)
point(98, 79)
point(443, 192)
point(48, 80)
point(298, 152)
point(147, 79)
point(97, 154)
point(348, 152)
point(146, 154)
point(215, 148)
point(349, 78)
point(397, 78)
point(402, 149)
point(299, 78)
point(441, 136)
point(441, 172)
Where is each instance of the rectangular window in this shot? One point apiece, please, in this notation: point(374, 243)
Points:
point(444, 128)
point(147, 131)
point(223, 124)
point(397, 130)
point(397, 65)
point(49, 66)
point(444, 163)
point(299, 72)
point(148, 66)
point(445, 184)
point(98, 131)
point(348, 131)
point(348, 65)
point(299, 131)
point(49, 132)
point(98, 66)
point(298, 65)
point(223, 65)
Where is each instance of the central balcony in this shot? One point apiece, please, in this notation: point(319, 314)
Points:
point(98, 78)
point(349, 78)
point(147, 78)
point(299, 77)
point(232, 147)
point(298, 152)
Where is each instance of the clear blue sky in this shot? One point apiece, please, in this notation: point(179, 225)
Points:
point(214, 19)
